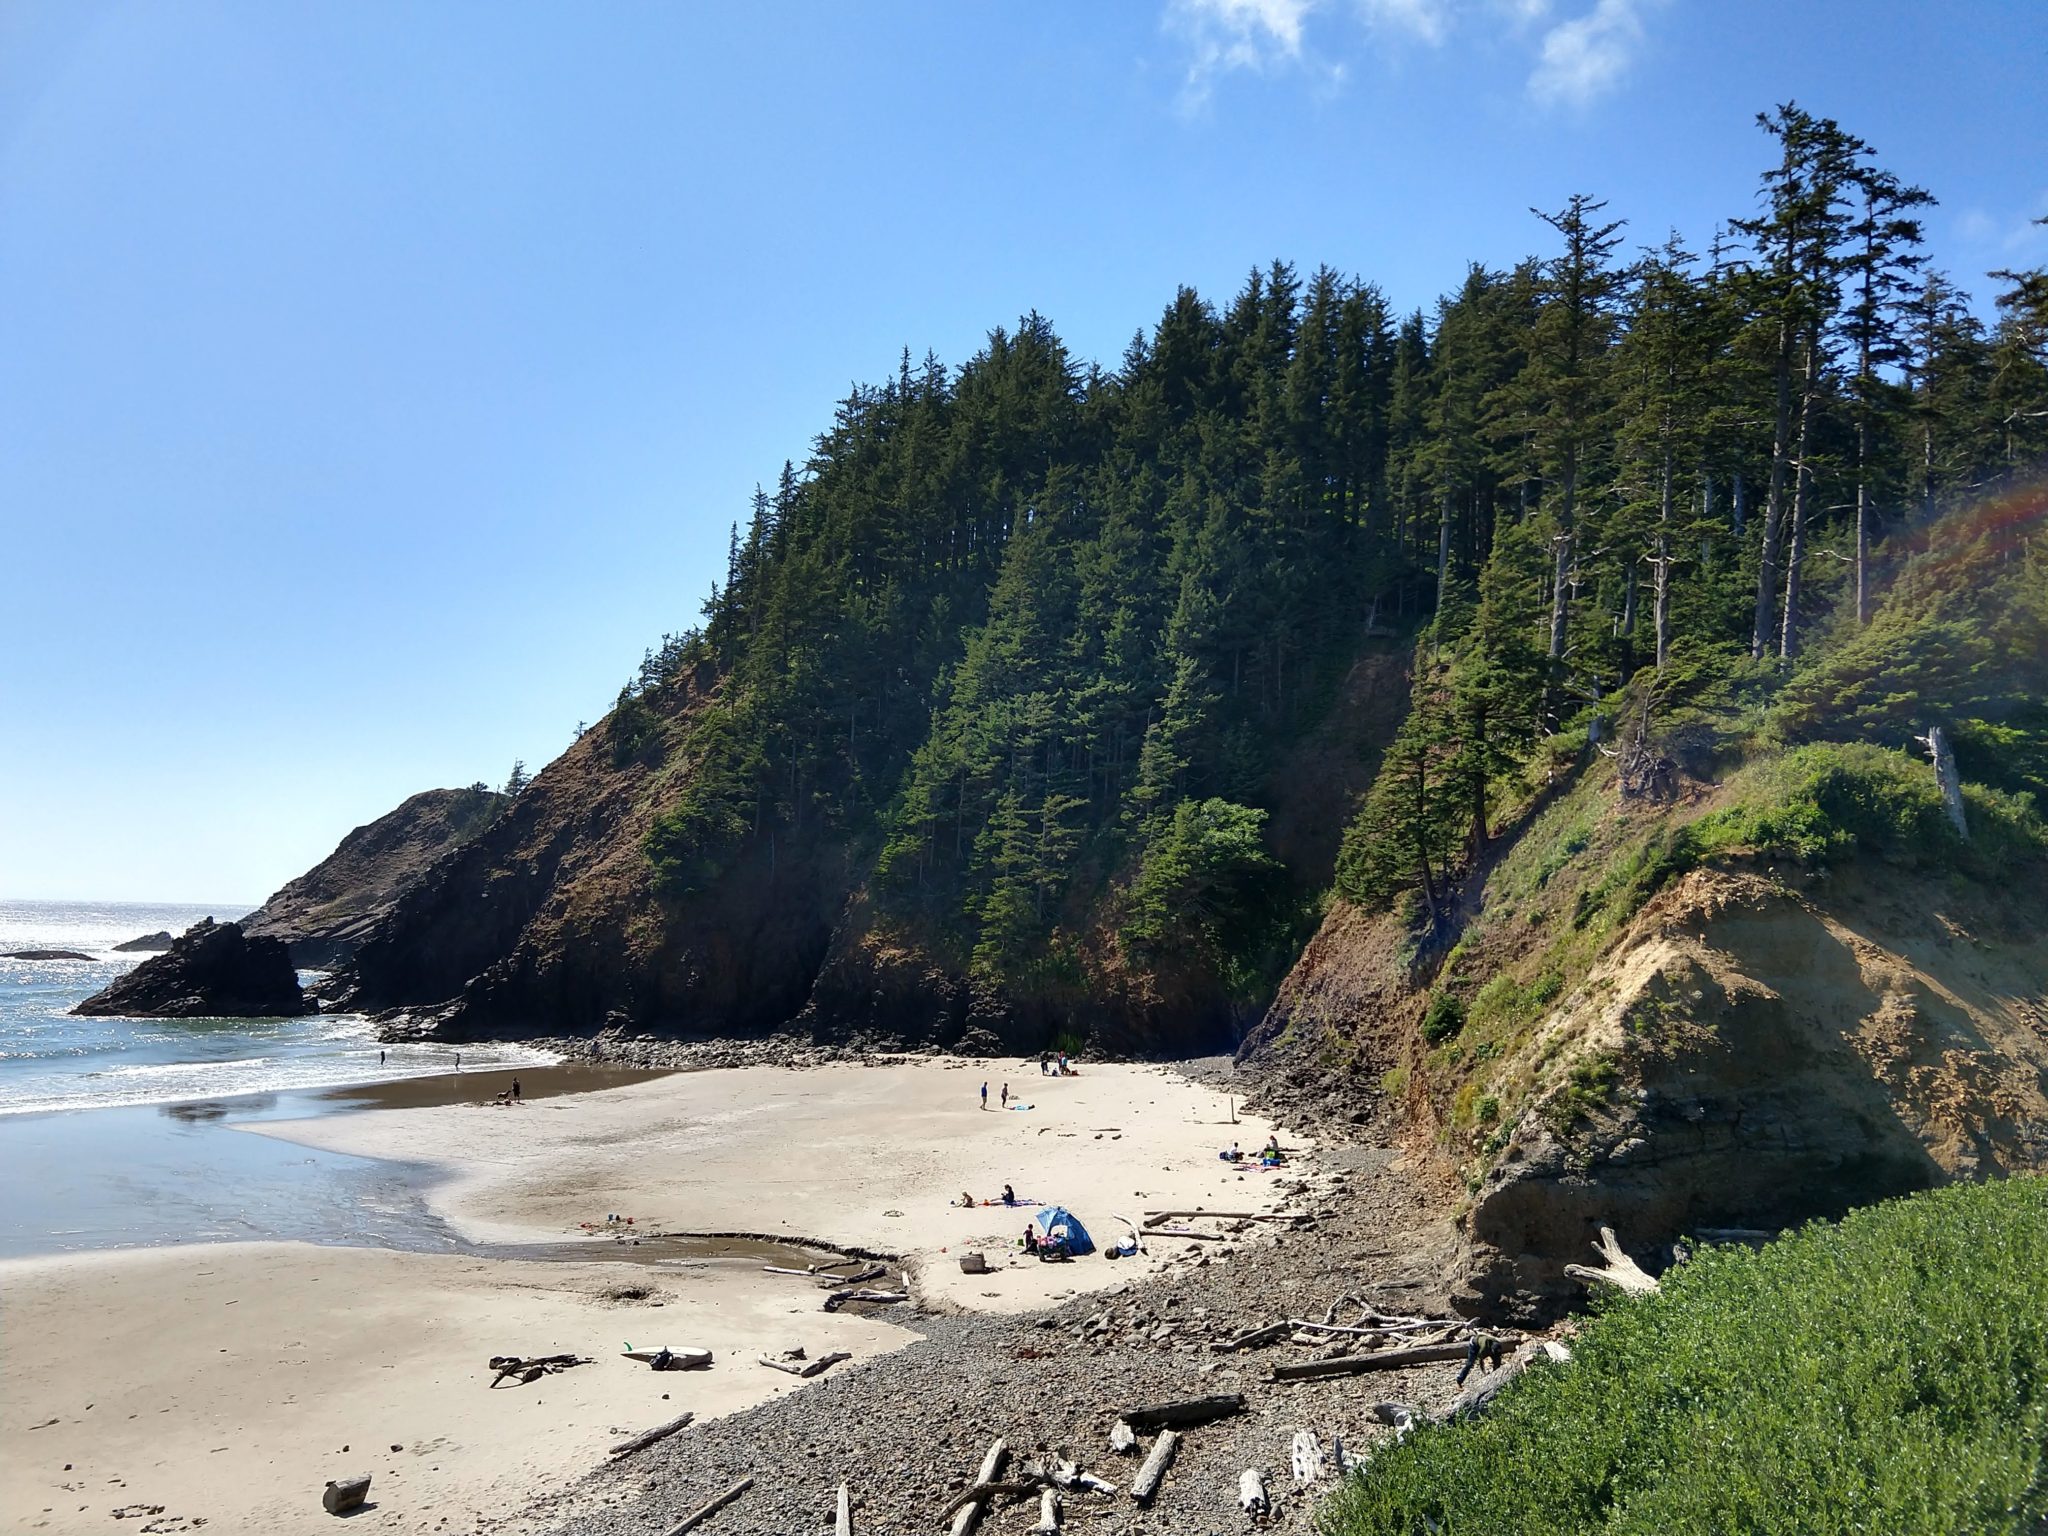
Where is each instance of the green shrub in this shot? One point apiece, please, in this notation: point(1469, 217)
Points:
point(1887, 1374)
point(1444, 1017)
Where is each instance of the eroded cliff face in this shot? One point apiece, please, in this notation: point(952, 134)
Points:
point(324, 914)
point(1753, 1049)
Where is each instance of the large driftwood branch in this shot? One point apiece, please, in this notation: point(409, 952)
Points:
point(662, 1432)
point(703, 1512)
point(1145, 1486)
point(1251, 1491)
point(807, 1368)
point(1617, 1268)
point(1185, 1414)
point(1378, 1360)
point(839, 1299)
point(843, 1525)
point(964, 1515)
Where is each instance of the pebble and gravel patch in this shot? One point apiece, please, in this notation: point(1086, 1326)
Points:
point(906, 1431)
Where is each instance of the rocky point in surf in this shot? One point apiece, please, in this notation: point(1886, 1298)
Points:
point(213, 970)
point(325, 913)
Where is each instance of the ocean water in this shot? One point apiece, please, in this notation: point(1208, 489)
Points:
point(51, 1061)
point(122, 1132)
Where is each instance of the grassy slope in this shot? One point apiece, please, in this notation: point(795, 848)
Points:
point(1887, 1374)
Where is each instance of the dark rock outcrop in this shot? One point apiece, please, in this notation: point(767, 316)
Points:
point(325, 913)
point(214, 970)
point(44, 954)
point(149, 944)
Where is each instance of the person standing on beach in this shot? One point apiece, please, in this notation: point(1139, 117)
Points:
point(1006, 1095)
point(984, 1095)
point(515, 1090)
point(380, 1058)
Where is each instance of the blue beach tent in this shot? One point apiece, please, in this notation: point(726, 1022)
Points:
point(1056, 1222)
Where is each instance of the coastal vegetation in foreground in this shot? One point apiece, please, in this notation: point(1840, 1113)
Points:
point(1886, 1373)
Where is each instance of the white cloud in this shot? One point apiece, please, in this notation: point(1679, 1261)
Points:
point(1583, 57)
point(1427, 21)
point(1223, 35)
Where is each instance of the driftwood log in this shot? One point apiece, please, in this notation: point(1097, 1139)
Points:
point(1358, 1365)
point(858, 1277)
point(532, 1368)
point(1048, 1512)
point(1154, 1218)
point(1122, 1438)
point(661, 1432)
point(345, 1494)
point(1616, 1268)
point(1185, 1414)
point(807, 1368)
point(1145, 1486)
point(703, 1512)
point(1272, 1333)
point(1482, 1389)
point(839, 1299)
point(999, 1488)
point(1307, 1456)
point(1251, 1491)
point(967, 1513)
point(843, 1525)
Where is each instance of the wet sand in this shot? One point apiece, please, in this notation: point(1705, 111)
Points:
point(483, 1087)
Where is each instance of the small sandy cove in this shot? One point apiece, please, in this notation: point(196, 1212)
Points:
point(227, 1383)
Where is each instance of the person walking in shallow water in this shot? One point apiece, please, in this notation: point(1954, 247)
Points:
point(984, 1095)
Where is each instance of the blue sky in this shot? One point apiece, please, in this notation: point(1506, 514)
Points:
point(377, 380)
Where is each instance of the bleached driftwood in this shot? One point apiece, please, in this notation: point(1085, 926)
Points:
point(661, 1432)
point(1482, 1389)
point(1616, 1269)
point(703, 1512)
point(1946, 779)
point(1048, 1513)
point(1122, 1438)
point(843, 1524)
point(969, 1512)
point(1416, 1325)
point(1307, 1456)
point(807, 1368)
point(1145, 1486)
point(1251, 1491)
point(858, 1277)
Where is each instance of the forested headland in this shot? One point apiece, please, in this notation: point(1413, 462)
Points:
point(1033, 636)
point(1046, 678)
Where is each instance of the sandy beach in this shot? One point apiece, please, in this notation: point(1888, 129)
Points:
point(223, 1382)
point(870, 1156)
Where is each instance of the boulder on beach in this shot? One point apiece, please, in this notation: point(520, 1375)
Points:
point(44, 954)
point(213, 971)
point(148, 944)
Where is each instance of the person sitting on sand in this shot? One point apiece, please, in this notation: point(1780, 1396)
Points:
point(1030, 1238)
point(966, 1199)
point(1233, 1155)
point(1009, 1195)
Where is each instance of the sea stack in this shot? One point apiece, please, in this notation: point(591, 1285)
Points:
point(213, 971)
